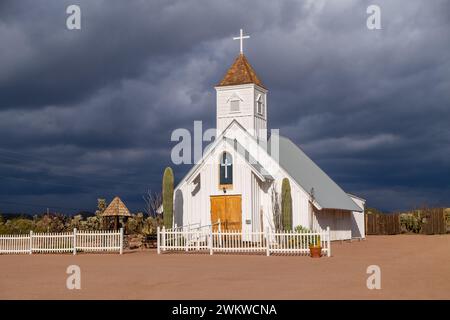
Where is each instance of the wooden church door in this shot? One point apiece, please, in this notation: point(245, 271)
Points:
point(229, 210)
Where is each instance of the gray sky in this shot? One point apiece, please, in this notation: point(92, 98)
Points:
point(89, 113)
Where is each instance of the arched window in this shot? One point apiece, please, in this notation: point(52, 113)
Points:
point(226, 170)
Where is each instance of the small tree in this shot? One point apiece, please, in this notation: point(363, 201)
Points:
point(101, 206)
point(276, 208)
point(286, 204)
point(152, 203)
point(99, 222)
point(167, 195)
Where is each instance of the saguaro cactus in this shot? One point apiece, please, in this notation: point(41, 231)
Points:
point(286, 204)
point(167, 194)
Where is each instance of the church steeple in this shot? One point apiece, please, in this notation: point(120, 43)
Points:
point(241, 96)
point(240, 72)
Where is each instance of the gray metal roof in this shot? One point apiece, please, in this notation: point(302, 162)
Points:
point(309, 176)
point(251, 160)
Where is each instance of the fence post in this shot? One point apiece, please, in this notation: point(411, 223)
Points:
point(328, 242)
point(31, 241)
point(163, 235)
point(74, 241)
point(187, 239)
point(267, 235)
point(219, 228)
point(158, 248)
point(210, 241)
point(176, 234)
point(121, 241)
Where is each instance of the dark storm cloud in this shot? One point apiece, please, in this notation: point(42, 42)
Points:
point(89, 113)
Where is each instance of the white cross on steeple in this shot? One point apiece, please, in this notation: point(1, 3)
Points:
point(241, 38)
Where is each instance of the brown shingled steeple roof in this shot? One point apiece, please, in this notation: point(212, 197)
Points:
point(241, 72)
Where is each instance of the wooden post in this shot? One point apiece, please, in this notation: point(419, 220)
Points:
point(328, 242)
point(74, 241)
point(121, 241)
point(157, 240)
point(365, 223)
point(31, 241)
point(267, 235)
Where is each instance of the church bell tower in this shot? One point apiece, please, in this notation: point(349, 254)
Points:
point(241, 96)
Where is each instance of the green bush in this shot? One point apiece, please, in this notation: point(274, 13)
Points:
point(136, 224)
point(297, 241)
point(301, 229)
point(18, 226)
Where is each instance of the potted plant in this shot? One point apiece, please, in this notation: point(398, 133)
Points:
point(315, 247)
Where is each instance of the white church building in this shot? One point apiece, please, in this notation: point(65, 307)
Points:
point(238, 179)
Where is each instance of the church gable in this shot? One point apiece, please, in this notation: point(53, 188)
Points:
point(238, 141)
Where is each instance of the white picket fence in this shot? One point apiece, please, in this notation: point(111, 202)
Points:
point(205, 239)
point(85, 241)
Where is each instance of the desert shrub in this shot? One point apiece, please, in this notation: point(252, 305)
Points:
point(17, 226)
point(151, 224)
point(131, 225)
point(50, 223)
point(2, 225)
point(411, 222)
point(93, 223)
point(301, 229)
point(297, 241)
point(136, 224)
point(76, 223)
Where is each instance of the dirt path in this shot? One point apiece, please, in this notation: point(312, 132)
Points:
point(412, 267)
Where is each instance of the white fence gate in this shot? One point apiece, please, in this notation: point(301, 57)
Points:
point(267, 242)
point(86, 241)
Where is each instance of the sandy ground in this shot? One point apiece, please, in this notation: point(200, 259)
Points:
point(412, 267)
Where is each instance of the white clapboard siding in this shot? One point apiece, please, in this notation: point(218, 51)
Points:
point(280, 242)
point(86, 241)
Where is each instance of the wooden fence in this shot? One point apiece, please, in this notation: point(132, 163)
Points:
point(85, 241)
point(432, 221)
point(236, 241)
point(379, 223)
